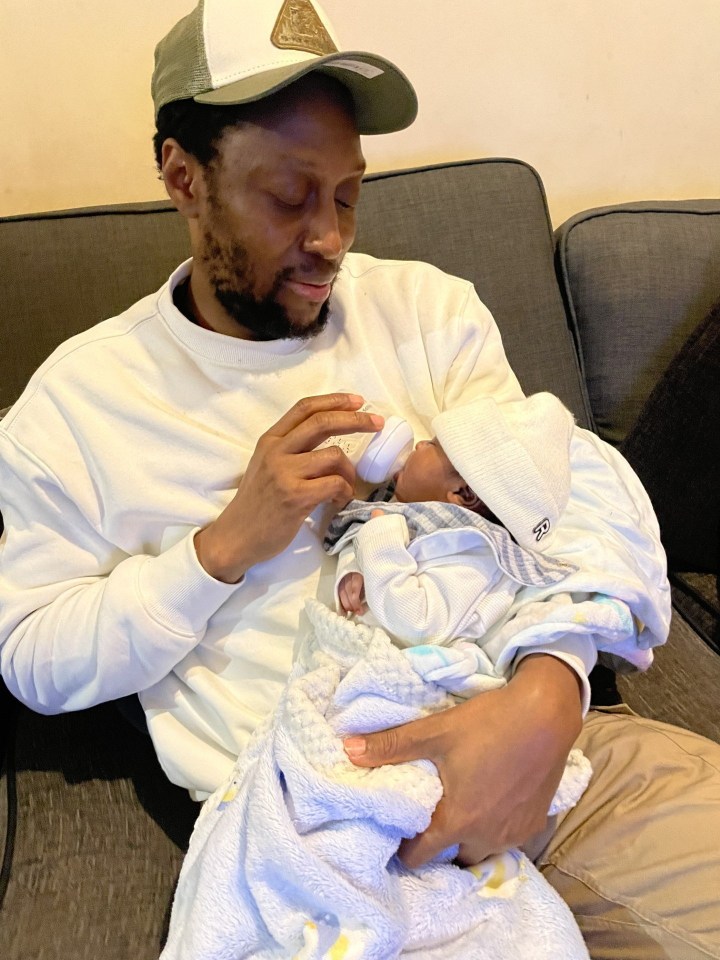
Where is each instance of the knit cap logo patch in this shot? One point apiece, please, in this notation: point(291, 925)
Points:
point(541, 529)
point(298, 27)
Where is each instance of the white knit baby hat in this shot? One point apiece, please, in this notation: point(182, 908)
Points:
point(516, 457)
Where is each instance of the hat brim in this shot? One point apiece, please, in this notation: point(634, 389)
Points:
point(384, 102)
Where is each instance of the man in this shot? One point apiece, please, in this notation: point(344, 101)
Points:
point(165, 501)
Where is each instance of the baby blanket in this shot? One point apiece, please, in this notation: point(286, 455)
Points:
point(294, 857)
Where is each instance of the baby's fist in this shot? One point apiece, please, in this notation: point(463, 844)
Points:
point(351, 594)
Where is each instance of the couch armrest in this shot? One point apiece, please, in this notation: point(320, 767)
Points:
point(637, 279)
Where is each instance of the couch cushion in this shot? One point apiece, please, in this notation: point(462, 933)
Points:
point(674, 447)
point(637, 279)
point(682, 685)
point(100, 838)
point(697, 597)
point(64, 271)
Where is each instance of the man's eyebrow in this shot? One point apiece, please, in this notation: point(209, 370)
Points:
point(306, 165)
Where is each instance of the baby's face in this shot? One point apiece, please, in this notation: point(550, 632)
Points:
point(427, 474)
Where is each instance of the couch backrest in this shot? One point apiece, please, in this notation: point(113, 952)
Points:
point(483, 220)
point(638, 279)
point(62, 272)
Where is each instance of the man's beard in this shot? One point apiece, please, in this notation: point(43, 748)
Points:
point(231, 276)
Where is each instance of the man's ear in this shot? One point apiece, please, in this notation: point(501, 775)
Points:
point(463, 496)
point(183, 178)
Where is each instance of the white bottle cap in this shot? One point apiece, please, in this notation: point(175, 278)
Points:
point(387, 451)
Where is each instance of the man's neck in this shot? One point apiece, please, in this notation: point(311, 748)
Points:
point(185, 302)
point(204, 310)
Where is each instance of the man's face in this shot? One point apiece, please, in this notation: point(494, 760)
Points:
point(278, 215)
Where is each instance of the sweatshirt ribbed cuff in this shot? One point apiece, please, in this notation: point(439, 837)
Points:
point(178, 592)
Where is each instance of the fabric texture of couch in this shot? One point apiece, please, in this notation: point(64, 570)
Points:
point(100, 833)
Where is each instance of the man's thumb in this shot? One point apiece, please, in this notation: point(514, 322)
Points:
point(412, 741)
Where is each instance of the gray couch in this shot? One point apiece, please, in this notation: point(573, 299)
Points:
point(596, 314)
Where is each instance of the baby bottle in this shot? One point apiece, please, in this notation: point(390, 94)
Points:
point(376, 456)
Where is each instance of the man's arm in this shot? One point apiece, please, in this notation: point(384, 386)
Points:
point(500, 757)
point(82, 622)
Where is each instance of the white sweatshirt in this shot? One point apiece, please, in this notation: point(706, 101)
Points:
point(133, 435)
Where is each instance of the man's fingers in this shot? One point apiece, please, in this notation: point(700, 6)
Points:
point(419, 849)
point(290, 484)
point(420, 740)
point(330, 423)
point(324, 463)
point(440, 836)
point(308, 406)
point(475, 852)
point(324, 490)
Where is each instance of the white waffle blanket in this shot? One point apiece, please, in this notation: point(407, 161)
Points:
point(295, 856)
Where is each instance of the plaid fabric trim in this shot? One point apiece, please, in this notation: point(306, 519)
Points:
point(525, 567)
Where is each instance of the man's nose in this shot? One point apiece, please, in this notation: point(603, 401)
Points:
point(323, 236)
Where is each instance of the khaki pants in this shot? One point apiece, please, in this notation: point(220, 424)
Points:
point(638, 859)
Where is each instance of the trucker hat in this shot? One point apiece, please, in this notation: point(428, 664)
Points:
point(239, 51)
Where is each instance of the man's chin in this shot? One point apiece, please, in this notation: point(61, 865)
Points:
point(310, 328)
point(305, 323)
point(270, 318)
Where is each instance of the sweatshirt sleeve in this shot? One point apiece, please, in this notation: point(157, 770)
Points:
point(610, 533)
point(81, 622)
point(469, 361)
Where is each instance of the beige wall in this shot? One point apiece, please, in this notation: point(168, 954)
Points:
point(610, 99)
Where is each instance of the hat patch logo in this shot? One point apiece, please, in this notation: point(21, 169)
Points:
point(541, 529)
point(298, 27)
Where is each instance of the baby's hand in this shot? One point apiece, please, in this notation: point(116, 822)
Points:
point(351, 593)
point(376, 513)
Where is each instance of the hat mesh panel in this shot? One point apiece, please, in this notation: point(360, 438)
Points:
point(190, 74)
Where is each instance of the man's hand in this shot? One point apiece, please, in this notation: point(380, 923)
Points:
point(500, 757)
point(351, 593)
point(285, 479)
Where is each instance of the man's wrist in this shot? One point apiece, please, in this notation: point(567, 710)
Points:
point(215, 560)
